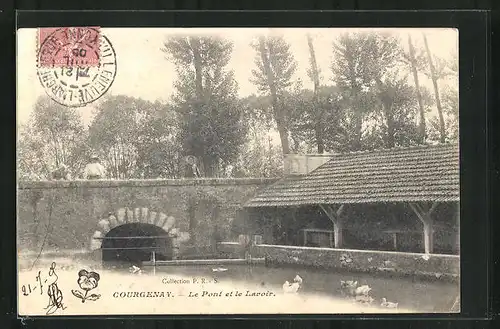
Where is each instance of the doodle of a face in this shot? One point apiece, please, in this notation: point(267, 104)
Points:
point(88, 280)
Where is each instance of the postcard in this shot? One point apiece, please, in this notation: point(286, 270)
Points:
point(188, 171)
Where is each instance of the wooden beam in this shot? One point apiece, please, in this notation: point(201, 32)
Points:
point(340, 210)
point(329, 213)
point(433, 206)
point(417, 210)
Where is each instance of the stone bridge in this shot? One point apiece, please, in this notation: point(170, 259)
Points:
point(77, 215)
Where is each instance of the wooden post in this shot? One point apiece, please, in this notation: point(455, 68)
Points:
point(337, 233)
point(335, 217)
point(153, 260)
point(293, 224)
point(428, 237)
point(305, 237)
point(153, 257)
point(425, 217)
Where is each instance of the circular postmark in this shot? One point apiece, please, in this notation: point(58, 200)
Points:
point(76, 68)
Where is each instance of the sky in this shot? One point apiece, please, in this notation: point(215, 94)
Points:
point(143, 70)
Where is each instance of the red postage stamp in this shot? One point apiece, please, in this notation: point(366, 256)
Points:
point(76, 65)
point(69, 46)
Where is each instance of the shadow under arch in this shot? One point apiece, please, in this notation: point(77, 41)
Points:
point(133, 243)
point(146, 222)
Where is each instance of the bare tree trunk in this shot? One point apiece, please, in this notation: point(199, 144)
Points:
point(413, 64)
point(387, 100)
point(296, 144)
point(202, 100)
point(434, 78)
point(278, 112)
point(357, 117)
point(56, 151)
point(358, 127)
point(390, 141)
point(195, 47)
point(314, 65)
point(318, 131)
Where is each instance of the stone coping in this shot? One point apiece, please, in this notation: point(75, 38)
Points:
point(367, 251)
point(435, 267)
point(359, 251)
point(25, 185)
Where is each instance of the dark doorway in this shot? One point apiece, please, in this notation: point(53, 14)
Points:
point(136, 248)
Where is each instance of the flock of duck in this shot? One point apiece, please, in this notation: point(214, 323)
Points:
point(349, 289)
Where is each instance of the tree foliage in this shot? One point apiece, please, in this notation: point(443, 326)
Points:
point(384, 93)
point(134, 137)
point(275, 67)
point(209, 112)
point(52, 137)
point(316, 119)
point(381, 105)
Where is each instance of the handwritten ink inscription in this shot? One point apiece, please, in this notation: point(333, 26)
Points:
point(49, 283)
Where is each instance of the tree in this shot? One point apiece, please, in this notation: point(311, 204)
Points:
point(316, 116)
point(351, 75)
point(398, 108)
point(31, 162)
point(313, 72)
point(114, 134)
point(314, 75)
point(450, 115)
point(259, 157)
point(362, 64)
point(275, 67)
point(209, 113)
point(450, 107)
point(158, 153)
point(52, 137)
point(435, 77)
point(415, 61)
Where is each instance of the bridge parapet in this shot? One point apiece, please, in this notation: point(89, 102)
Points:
point(145, 182)
point(73, 215)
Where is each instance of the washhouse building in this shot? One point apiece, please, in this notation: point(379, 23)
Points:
point(400, 199)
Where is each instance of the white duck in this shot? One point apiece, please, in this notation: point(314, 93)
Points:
point(387, 304)
point(348, 287)
point(362, 290)
point(219, 269)
point(291, 287)
point(364, 299)
point(135, 270)
point(298, 279)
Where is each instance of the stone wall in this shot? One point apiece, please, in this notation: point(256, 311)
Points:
point(72, 215)
point(442, 267)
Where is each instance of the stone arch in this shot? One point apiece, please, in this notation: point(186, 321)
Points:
point(137, 215)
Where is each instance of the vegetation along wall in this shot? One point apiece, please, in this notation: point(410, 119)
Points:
point(73, 215)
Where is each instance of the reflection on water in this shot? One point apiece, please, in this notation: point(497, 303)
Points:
point(260, 288)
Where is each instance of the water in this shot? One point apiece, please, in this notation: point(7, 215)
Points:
point(215, 291)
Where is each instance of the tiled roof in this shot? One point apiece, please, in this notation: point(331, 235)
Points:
point(423, 173)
